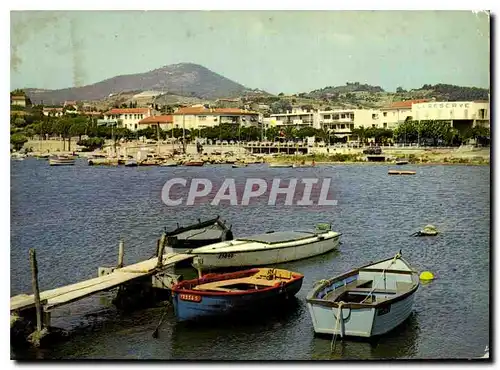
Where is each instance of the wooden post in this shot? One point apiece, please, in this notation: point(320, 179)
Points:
point(121, 248)
point(157, 247)
point(36, 291)
point(160, 250)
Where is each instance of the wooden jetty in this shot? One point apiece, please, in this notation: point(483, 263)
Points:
point(40, 304)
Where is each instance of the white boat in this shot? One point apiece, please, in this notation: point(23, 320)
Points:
point(169, 164)
point(365, 302)
point(266, 249)
point(62, 161)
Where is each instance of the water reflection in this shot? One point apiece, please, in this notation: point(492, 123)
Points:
point(248, 333)
point(402, 342)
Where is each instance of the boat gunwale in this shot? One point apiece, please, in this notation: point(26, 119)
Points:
point(179, 289)
point(264, 248)
point(203, 224)
point(310, 298)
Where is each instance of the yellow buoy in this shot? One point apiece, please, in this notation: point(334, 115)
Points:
point(426, 275)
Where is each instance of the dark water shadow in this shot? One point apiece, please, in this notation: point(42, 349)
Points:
point(402, 342)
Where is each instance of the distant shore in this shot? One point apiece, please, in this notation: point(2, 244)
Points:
point(320, 155)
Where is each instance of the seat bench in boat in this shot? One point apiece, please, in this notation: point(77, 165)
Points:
point(223, 286)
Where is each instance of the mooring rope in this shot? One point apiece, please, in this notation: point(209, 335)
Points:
point(334, 338)
point(398, 255)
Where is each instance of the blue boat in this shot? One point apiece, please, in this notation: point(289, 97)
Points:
point(224, 294)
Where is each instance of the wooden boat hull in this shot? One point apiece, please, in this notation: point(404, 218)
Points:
point(61, 162)
point(396, 172)
point(268, 256)
point(191, 304)
point(385, 309)
point(194, 164)
point(184, 239)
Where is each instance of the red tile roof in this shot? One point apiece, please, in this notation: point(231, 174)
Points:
point(166, 118)
point(212, 111)
point(405, 104)
point(128, 110)
point(18, 97)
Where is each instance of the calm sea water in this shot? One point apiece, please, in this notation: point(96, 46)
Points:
point(74, 217)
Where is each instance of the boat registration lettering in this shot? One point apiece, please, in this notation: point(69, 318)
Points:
point(383, 310)
point(226, 255)
point(190, 297)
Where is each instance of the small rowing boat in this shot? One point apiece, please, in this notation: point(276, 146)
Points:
point(368, 301)
point(61, 161)
point(224, 294)
point(396, 172)
point(280, 165)
point(194, 163)
point(199, 234)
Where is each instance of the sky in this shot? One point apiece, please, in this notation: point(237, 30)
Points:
point(277, 51)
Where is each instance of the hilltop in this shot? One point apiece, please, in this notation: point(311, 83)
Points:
point(184, 79)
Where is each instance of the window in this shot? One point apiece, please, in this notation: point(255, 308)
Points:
point(142, 116)
point(202, 118)
point(385, 124)
point(342, 126)
point(373, 125)
point(335, 116)
point(342, 115)
point(327, 116)
point(385, 114)
point(135, 126)
point(352, 126)
point(374, 116)
point(352, 116)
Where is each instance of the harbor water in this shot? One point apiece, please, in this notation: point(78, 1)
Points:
point(75, 215)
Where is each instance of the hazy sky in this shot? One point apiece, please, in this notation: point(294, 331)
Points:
point(280, 51)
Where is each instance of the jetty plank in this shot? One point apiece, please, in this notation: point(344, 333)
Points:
point(70, 293)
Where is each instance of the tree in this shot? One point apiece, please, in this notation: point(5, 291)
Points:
point(17, 140)
point(400, 90)
point(281, 94)
point(307, 131)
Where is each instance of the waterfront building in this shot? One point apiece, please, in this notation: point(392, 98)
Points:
point(460, 114)
point(53, 112)
point(341, 122)
point(126, 117)
point(395, 113)
point(198, 117)
point(164, 121)
point(297, 118)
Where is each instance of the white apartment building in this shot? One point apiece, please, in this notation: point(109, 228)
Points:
point(397, 112)
point(460, 114)
point(342, 121)
point(199, 117)
point(127, 117)
point(297, 118)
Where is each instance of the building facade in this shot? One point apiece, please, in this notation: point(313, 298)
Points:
point(464, 113)
point(164, 121)
point(127, 117)
point(19, 100)
point(341, 122)
point(297, 118)
point(397, 112)
point(199, 117)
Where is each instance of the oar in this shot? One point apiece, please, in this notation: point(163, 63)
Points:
point(155, 333)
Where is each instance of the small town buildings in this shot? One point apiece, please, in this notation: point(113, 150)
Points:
point(228, 103)
point(127, 117)
point(19, 100)
point(165, 122)
point(394, 114)
point(53, 112)
point(198, 117)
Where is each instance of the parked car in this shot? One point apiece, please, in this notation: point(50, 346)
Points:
point(373, 150)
